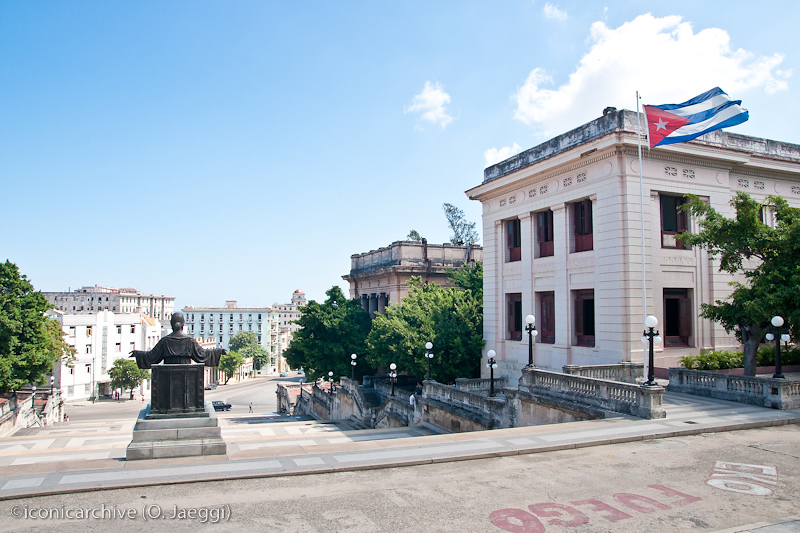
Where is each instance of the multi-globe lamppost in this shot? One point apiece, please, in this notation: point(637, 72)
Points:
point(393, 375)
point(429, 356)
point(330, 379)
point(650, 337)
point(491, 365)
point(532, 333)
point(353, 358)
point(779, 335)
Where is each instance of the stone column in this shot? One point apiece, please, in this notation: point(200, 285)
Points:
point(365, 303)
point(562, 233)
point(382, 303)
point(526, 239)
point(373, 305)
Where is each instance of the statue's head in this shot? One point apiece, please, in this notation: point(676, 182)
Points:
point(177, 322)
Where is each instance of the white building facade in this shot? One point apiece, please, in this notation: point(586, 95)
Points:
point(99, 340)
point(563, 238)
point(92, 300)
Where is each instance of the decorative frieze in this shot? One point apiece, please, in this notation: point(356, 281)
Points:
point(568, 181)
point(582, 177)
point(670, 171)
point(743, 183)
point(688, 173)
point(758, 185)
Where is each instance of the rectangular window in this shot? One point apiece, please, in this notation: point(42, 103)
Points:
point(547, 318)
point(118, 347)
point(513, 240)
point(673, 221)
point(133, 329)
point(582, 221)
point(544, 233)
point(72, 331)
point(584, 318)
point(71, 390)
point(677, 318)
point(87, 389)
point(88, 348)
point(514, 306)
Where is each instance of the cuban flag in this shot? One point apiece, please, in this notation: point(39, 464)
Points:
point(677, 123)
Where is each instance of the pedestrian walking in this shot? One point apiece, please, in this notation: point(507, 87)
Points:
point(251, 407)
point(411, 400)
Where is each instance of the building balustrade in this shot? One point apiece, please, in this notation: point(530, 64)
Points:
point(644, 402)
point(777, 393)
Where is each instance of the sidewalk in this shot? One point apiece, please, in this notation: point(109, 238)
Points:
point(270, 446)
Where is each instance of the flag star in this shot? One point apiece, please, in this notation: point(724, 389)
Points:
point(660, 125)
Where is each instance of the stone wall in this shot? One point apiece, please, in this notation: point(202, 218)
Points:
point(768, 392)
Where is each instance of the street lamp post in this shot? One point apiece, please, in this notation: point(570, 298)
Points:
point(491, 365)
point(330, 378)
point(650, 337)
point(532, 333)
point(393, 375)
point(52, 381)
point(777, 324)
point(33, 392)
point(429, 356)
point(353, 363)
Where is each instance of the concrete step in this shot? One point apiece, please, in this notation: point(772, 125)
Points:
point(175, 448)
point(147, 435)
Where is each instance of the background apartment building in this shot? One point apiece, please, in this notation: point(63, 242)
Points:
point(563, 241)
point(92, 300)
point(225, 322)
point(99, 340)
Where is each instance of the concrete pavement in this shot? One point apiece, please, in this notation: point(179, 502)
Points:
point(90, 456)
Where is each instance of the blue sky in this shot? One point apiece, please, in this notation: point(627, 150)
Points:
point(243, 150)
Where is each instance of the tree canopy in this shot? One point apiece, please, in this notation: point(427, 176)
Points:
point(229, 364)
point(242, 339)
point(245, 343)
point(463, 231)
point(772, 284)
point(29, 345)
point(452, 319)
point(125, 374)
point(414, 235)
point(330, 332)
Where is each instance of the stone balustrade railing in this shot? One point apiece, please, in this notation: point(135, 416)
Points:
point(625, 372)
point(481, 385)
point(764, 391)
point(644, 402)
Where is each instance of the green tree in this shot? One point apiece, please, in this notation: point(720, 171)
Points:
point(463, 231)
point(771, 286)
point(229, 364)
point(452, 319)
point(125, 374)
point(330, 332)
point(414, 235)
point(28, 346)
point(242, 339)
point(257, 353)
point(59, 349)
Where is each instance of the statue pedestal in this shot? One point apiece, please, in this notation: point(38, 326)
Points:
point(177, 423)
point(177, 391)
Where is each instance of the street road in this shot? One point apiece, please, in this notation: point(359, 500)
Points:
point(704, 482)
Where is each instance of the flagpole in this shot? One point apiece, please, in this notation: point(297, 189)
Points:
point(641, 213)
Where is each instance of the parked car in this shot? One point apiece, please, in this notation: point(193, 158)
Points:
point(211, 386)
point(300, 372)
point(219, 405)
point(283, 374)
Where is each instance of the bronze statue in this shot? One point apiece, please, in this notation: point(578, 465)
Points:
point(177, 348)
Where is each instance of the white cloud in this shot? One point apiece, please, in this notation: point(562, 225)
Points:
point(495, 155)
point(662, 58)
point(552, 12)
point(430, 103)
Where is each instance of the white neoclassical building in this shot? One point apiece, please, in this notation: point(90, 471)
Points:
point(564, 240)
point(92, 300)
